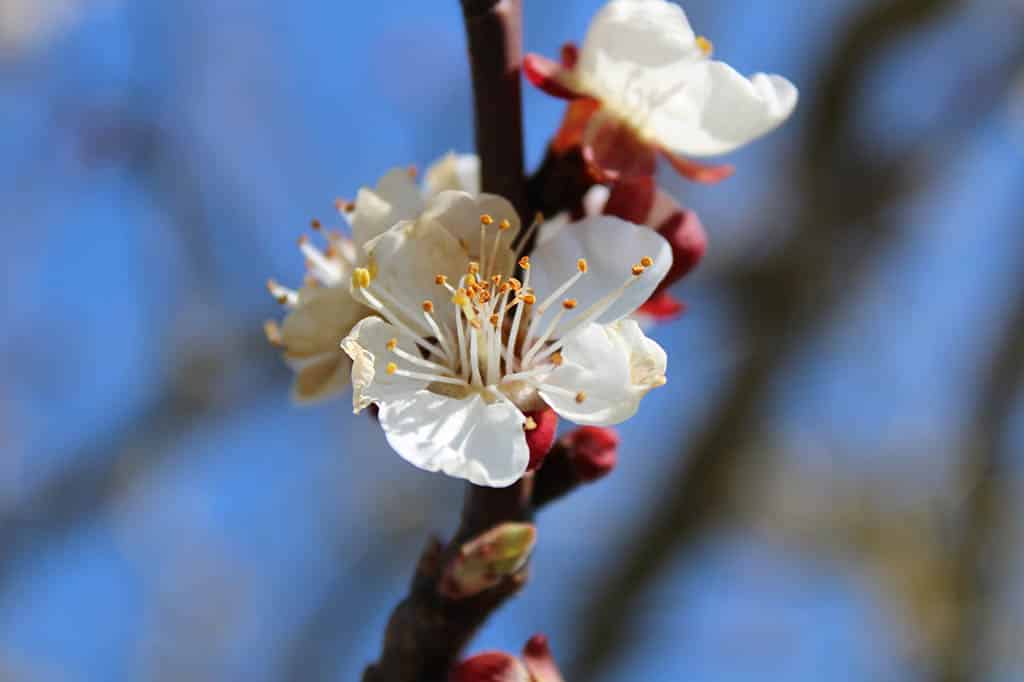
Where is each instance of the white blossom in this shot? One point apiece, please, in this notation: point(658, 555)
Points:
point(322, 312)
point(454, 379)
point(656, 83)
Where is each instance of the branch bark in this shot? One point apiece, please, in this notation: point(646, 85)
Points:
point(427, 631)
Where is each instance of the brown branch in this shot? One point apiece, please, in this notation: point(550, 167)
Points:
point(427, 631)
point(494, 37)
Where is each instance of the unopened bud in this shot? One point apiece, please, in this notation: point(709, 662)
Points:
point(486, 560)
point(539, 661)
point(491, 666)
point(593, 451)
point(541, 436)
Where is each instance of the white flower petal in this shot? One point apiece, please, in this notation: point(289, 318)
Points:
point(719, 110)
point(320, 378)
point(453, 171)
point(367, 347)
point(460, 212)
point(319, 321)
point(605, 372)
point(643, 62)
point(395, 198)
point(611, 246)
point(467, 438)
point(406, 260)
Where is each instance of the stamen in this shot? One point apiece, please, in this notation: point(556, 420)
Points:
point(638, 270)
point(392, 344)
point(705, 46)
point(556, 359)
point(581, 265)
point(486, 219)
point(538, 220)
point(391, 368)
point(281, 294)
point(273, 332)
point(504, 225)
point(315, 224)
point(580, 397)
point(530, 424)
point(440, 280)
point(428, 306)
point(569, 303)
point(647, 261)
point(524, 262)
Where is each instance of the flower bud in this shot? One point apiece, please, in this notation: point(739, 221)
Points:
point(538, 659)
point(486, 560)
point(593, 451)
point(491, 666)
point(685, 234)
point(541, 436)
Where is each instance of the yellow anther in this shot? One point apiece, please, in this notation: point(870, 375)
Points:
point(494, 320)
point(360, 278)
point(529, 299)
point(557, 359)
point(530, 424)
point(483, 296)
point(476, 324)
point(392, 344)
point(647, 261)
point(315, 224)
point(524, 262)
point(473, 268)
point(344, 206)
point(428, 306)
point(391, 368)
point(504, 288)
point(569, 303)
point(460, 298)
point(515, 284)
point(440, 280)
point(373, 267)
point(504, 225)
point(705, 46)
point(331, 251)
point(486, 219)
point(580, 397)
point(496, 280)
point(581, 265)
point(638, 270)
point(470, 281)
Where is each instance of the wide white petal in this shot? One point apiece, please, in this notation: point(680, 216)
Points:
point(606, 371)
point(319, 321)
point(395, 198)
point(453, 171)
point(718, 110)
point(405, 260)
point(367, 347)
point(468, 438)
point(460, 213)
point(611, 246)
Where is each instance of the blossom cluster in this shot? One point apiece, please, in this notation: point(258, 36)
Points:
point(471, 332)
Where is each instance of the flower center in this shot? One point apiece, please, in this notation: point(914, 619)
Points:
point(499, 340)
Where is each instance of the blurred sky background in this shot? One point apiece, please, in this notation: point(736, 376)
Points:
point(167, 514)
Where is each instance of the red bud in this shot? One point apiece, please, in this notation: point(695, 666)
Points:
point(686, 236)
point(540, 438)
point(537, 655)
point(661, 307)
point(491, 666)
point(593, 451)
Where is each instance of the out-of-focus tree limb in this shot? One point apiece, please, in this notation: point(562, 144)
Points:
point(782, 303)
point(987, 489)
